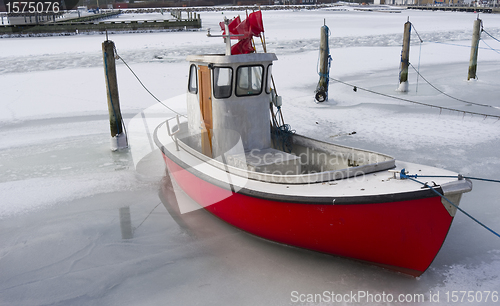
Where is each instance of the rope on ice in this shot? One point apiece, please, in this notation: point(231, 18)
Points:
point(355, 88)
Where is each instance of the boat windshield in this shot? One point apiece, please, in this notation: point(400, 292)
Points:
point(223, 79)
point(193, 80)
point(249, 80)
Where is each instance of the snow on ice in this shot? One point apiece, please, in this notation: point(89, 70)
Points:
point(61, 188)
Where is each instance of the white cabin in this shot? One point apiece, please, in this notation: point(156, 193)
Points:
point(228, 102)
point(230, 93)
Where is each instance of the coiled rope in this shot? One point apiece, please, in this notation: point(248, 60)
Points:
point(282, 133)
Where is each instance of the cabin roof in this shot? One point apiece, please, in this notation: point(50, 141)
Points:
point(232, 59)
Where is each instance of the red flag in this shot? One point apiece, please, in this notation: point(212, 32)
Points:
point(255, 23)
point(252, 26)
point(232, 26)
point(244, 46)
point(243, 28)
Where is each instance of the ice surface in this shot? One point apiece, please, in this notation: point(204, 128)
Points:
point(61, 188)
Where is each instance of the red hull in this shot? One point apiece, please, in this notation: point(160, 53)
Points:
point(403, 236)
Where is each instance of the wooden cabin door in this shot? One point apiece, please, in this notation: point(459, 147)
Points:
point(206, 110)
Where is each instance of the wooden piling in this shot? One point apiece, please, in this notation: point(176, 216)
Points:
point(476, 35)
point(118, 136)
point(405, 59)
point(324, 50)
point(324, 59)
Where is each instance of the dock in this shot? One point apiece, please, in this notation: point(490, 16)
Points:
point(472, 9)
point(101, 23)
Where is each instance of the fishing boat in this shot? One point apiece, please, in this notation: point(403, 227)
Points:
point(234, 156)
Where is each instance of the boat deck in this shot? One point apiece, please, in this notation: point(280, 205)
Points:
point(369, 185)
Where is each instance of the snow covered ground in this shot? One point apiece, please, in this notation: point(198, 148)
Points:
point(62, 190)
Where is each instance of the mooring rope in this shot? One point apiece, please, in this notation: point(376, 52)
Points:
point(442, 92)
point(483, 30)
point(444, 43)
point(355, 88)
point(138, 79)
point(457, 45)
point(490, 48)
point(413, 26)
point(419, 54)
point(454, 176)
point(403, 175)
point(468, 102)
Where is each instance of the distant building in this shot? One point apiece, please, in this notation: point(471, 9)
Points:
point(395, 2)
point(281, 2)
point(438, 2)
point(82, 9)
point(30, 19)
point(423, 2)
point(420, 2)
point(120, 5)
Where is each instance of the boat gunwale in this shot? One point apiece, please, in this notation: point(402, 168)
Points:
point(307, 178)
point(299, 199)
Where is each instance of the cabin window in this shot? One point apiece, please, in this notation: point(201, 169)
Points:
point(249, 80)
point(193, 80)
point(223, 81)
point(269, 81)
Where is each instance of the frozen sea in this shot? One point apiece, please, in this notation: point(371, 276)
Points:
point(64, 196)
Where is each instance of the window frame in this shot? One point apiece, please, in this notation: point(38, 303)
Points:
point(261, 81)
point(269, 75)
point(214, 83)
point(190, 89)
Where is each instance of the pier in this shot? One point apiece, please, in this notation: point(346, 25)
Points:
point(100, 23)
point(472, 9)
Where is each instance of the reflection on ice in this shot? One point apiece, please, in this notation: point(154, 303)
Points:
point(126, 223)
point(62, 190)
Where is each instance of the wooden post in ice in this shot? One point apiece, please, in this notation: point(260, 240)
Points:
point(324, 60)
point(405, 59)
point(476, 35)
point(118, 135)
